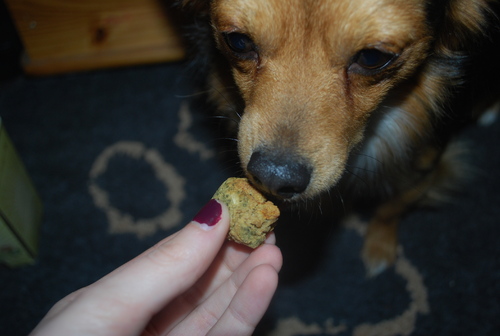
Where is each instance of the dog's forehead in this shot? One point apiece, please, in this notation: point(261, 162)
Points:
point(300, 7)
point(338, 20)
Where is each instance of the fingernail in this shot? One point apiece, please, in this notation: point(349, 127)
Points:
point(210, 214)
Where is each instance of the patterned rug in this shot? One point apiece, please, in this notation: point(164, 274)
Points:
point(123, 158)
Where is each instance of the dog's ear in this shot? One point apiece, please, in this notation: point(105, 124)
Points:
point(463, 21)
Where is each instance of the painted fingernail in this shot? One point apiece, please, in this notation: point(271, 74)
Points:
point(210, 214)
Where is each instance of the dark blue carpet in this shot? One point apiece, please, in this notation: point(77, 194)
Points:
point(123, 158)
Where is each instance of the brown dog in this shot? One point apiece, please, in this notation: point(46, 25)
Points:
point(352, 94)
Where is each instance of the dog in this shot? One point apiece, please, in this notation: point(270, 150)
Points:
point(354, 95)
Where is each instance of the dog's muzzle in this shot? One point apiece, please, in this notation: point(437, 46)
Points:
point(283, 175)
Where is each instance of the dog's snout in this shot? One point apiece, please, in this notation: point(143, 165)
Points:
point(281, 175)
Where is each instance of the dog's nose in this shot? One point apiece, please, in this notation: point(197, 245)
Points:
point(282, 175)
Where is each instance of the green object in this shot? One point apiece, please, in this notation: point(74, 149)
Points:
point(20, 208)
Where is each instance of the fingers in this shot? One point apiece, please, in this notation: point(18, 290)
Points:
point(206, 315)
point(124, 301)
point(227, 261)
point(249, 303)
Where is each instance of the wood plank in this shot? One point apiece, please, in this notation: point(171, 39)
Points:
point(70, 35)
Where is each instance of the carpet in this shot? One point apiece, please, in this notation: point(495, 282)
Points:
point(122, 158)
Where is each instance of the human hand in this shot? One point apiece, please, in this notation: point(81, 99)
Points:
point(193, 282)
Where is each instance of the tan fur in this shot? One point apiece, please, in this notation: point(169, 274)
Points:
point(301, 95)
point(280, 109)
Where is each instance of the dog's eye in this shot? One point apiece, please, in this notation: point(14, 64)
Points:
point(372, 60)
point(241, 45)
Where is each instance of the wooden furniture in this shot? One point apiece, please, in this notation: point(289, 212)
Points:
point(72, 35)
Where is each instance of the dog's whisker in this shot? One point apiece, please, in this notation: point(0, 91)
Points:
point(368, 156)
point(358, 177)
point(366, 170)
point(341, 199)
point(228, 153)
point(224, 117)
point(226, 99)
point(191, 95)
point(230, 139)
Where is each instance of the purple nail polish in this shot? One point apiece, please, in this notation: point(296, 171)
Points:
point(210, 214)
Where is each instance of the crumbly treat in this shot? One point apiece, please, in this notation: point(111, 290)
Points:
point(251, 215)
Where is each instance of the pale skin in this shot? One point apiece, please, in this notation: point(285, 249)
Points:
point(194, 282)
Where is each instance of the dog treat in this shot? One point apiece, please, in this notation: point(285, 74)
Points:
point(251, 215)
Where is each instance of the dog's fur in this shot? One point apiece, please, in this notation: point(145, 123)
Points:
point(348, 94)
